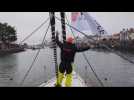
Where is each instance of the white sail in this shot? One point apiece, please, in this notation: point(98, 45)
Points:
point(78, 21)
point(95, 27)
point(85, 23)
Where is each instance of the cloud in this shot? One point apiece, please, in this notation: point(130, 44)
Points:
point(26, 22)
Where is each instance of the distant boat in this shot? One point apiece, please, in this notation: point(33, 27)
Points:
point(11, 51)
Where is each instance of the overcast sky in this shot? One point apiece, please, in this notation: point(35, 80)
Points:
point(26, 22)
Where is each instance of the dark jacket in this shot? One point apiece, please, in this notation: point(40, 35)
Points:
point(68, 50)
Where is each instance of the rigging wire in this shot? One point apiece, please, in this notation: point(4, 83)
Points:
point(93, 70)
point(34, 60)
point(85, 57)
point(34, 31)
point(108, 48)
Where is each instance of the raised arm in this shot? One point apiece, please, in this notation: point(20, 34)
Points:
point(82, 48)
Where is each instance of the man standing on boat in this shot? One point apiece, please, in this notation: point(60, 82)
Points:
point(68, 51)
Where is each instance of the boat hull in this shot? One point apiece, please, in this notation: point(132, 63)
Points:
point(77, 82)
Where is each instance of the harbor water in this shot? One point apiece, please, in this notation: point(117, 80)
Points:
point(112, 70)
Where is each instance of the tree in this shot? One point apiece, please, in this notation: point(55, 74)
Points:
point(7, 33)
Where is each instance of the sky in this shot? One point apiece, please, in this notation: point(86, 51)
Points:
point(26, 22)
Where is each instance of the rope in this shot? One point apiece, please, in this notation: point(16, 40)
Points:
point(45, 35)
point(85, 57)
point(34, 31)
point(34, 60)
point(93, 70)
point(108, 48)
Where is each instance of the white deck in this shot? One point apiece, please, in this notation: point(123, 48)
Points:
point(77, 82)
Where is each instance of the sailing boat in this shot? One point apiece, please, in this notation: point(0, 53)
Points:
point(77, 81)
point(79, 20)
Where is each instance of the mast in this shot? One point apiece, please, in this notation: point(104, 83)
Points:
point(52, 22)
point(63, 25)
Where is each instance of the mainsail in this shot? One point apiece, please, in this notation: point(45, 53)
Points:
point(79, 22)
point(86, 23)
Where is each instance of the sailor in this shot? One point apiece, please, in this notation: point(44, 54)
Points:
point(68, 51)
